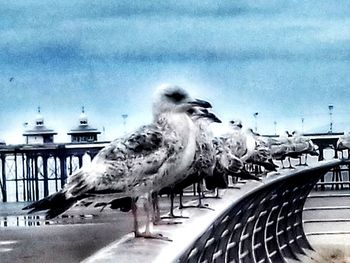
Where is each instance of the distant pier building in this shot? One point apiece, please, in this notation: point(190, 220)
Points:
point(84, 133)
point(39, 134)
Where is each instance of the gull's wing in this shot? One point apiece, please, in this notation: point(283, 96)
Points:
point(124, 164)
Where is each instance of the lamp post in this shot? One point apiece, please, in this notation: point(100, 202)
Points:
point(302, 125)
point(330, 108)
point(256, 121)
point(124, 116)
point(275, 126)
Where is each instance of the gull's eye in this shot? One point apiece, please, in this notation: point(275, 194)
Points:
point(176, 96)
point(191, 111)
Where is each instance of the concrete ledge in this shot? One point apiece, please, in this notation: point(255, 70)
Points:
point(129, 249)
point(183, 235)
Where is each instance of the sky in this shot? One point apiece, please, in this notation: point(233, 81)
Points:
point(286, 60)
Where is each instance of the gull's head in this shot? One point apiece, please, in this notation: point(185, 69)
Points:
point(236, 124)
point(172, 99)
point(288, 134)
point(295, 133)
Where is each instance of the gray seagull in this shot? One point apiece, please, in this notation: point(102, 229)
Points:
point(151, 158)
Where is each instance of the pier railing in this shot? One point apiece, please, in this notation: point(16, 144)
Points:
point(264, 225)
point(30, 172)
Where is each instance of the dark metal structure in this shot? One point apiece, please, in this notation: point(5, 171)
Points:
point(264, 225)
point(324, 141)
point(339, 178)
point(30, 172)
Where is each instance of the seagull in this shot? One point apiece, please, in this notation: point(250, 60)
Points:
point(240, 146)
point(344, 142)
point(205, 159)
point(236, 140)
point(153, 157)
point(226, 164)
point(234, 145)
point(261, 154)
point(203, 163)
point(280, 148)
point(219, 178)
point(303, 145)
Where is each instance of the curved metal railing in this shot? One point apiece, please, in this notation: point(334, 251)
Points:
point(265, 225)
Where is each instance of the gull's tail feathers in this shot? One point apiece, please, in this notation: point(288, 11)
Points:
point(245, 175)
point(55, 204)
point(60, 202)
point(218, 180)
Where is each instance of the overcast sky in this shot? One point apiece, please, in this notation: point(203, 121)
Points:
point(286, 60)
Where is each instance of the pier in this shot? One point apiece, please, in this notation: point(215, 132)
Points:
point(29, 172)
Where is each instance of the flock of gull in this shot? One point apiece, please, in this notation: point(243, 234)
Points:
point(175, 151)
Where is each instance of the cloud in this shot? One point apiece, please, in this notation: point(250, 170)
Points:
point(74, 33)
point(278, 58)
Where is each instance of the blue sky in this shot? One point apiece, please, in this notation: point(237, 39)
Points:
point(283, 59)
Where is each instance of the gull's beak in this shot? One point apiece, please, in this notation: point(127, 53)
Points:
point(211, 116)
point(200, 103)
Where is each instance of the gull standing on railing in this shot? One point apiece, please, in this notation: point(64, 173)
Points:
point(203, 163)
point(279, 148)
point(153, 157)
point(259, 153)
point(344, 143)
point(303, 145)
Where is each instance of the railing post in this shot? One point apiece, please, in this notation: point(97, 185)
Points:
point(335, 150)
point(62, 155)
point(80, 157)
point(16, 175)
point(45, 175)
point(36, 177)
point(24, 178)
point(3, 184)
point(28, 172)
point(321, 155)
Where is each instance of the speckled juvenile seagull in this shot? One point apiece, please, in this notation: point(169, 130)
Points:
point(205, 157)
point(203, 163)
point(154, 156)
point(343, 143)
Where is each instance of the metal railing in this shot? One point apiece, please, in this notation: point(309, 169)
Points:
point(31, 172)
point(264, 225)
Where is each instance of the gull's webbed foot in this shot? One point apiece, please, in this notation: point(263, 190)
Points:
point(164, 222)
point(205, 206)
point(150, 235)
